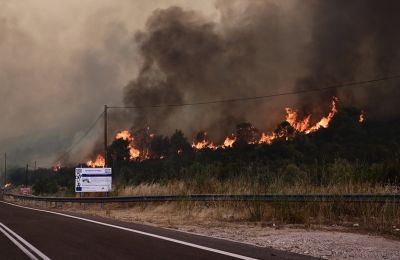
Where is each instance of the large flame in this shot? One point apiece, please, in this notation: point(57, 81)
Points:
point(300, 124)
point(304, 126)
point(229, 141)
point(125, 135)
point(362, 117)
point(99, 162)
point(134, 153)
point(267, 138)
point(292, 117)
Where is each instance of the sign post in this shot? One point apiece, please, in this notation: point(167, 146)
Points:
point(93, 180)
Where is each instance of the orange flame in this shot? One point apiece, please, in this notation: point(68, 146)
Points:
point(125, 135)
point(292, 117)
point(57, 167)
point(229, 141)
point(99, 162)
point(267, 138)
point(200, 145)
point(134, 153)
point(324, 122)
point(362, 117)
point(299, 125)
point(304, 125)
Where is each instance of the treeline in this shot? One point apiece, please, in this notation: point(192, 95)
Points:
point(347, 151)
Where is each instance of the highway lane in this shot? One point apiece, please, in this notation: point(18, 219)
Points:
point(82, 237)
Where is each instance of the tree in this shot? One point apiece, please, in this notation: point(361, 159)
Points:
point(179, 144)
point(159, 147)
point(246, 133)
point(118, 151)
point(285, 131)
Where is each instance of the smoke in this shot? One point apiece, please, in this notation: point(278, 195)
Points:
point(352, 41)
point(263, 47)
point(61, 61)
point(253, 49)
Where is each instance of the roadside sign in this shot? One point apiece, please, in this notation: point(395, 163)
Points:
point(26, 190)
point(93, 179)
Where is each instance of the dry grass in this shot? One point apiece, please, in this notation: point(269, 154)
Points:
point(383, 218)
point(213, 186)
point(371, 217)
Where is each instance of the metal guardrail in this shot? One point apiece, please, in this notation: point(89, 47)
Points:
point(372, 198)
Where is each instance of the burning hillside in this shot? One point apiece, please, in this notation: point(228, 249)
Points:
point(142, 144)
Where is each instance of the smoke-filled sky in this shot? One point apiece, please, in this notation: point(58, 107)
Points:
point(61, 61)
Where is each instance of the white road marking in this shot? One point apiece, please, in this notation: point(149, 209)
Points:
point(19, 245)
point(26, 243)
point(6, 231)
point(140, 232)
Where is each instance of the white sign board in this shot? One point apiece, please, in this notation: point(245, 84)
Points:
point(93, 179)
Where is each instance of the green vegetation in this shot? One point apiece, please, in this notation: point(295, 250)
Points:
point(347, 157)
point(348, 152)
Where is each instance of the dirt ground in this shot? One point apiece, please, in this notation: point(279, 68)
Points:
point(328, 242)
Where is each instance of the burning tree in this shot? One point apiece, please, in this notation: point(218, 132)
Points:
point(141, 144)
point(246, 133)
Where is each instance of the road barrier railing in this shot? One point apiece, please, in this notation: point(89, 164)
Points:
point(371, 198)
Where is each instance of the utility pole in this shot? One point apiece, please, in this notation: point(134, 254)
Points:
point(5, 169)
point(26, 176)
point(35, 167)
point(105, 135)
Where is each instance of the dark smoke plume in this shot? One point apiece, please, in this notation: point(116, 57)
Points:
point(352, 41)
point(263, 47)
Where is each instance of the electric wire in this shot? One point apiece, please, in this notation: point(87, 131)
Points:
point(336, 86)
point(64, 154)
point(343, 85)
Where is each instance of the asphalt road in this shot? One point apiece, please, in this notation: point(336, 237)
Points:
point(41, 234)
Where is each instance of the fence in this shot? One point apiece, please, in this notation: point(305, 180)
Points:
point(370, 198)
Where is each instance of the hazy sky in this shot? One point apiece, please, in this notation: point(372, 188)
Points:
point(60, 62)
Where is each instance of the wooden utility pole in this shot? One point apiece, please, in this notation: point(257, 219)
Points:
point(105, 135)
point(5, 169)
point(26, 175)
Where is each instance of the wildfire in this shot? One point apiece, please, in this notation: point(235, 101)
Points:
point(125, 135)
point(304, 125)
point(134, 153)
point(292, 117)
point(99, 162)
point(229, 141)
point(267, 138)
point(139, 141)
point(202, 142)
point(362, 117)
point(57, 166)
point(200, 145)
point(324, 122)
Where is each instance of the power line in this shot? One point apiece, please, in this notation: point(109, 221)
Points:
point(344, 85)
point(63, 155)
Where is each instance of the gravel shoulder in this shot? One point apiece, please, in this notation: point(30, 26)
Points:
point(317, 243)
point(325, 242)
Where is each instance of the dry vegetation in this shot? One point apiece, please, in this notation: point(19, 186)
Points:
point(373, 217)
point(241, 186)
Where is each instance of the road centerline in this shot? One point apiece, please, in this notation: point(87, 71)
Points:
point(22, 244)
